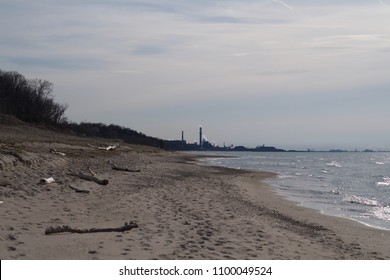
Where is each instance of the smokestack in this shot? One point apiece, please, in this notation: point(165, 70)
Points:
point(200, 136)
point(182, 135)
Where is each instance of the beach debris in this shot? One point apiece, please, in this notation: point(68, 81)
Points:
point(118, 168)
point(108, 148)
point(93, 173)
point(54, 151)
point(47, 180)
point(78, 190)
point(62, 229)
point(88, 178)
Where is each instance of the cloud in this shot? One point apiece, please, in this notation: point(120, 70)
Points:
point(54, 63)
point(157, 60)
point(149, 50)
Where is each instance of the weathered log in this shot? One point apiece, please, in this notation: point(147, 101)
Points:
point(117, 168)
point(62, 229)
point(88, 178)
point(78, 190)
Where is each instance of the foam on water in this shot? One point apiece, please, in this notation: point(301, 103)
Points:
point(385, 182)
point(382, 213)
point(334, 163)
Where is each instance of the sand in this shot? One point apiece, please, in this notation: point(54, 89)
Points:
point(183, 210)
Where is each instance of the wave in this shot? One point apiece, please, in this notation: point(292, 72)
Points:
point(361, 200)
point(334, 163)
point(385, 182)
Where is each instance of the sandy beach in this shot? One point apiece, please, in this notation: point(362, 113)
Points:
point(183, 210)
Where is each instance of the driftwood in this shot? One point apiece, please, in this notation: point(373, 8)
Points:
point(90, 170)
point(78, 190)
point(54, 151)
point(47, 180)
point(89, 178)
point(61, 229)
point(117, 168)
point(108, 148)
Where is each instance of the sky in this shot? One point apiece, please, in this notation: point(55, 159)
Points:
point(293, 74)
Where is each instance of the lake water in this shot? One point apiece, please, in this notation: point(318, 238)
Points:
point(350, 185)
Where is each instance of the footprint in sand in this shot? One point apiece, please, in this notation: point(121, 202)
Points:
point(11, 237)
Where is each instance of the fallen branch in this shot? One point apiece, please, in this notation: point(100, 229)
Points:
point(125, 169)
point(61, 229)
point(88, 178)
point(118, 168)
point(108, 148)
point(54, 151)
point(78, 190)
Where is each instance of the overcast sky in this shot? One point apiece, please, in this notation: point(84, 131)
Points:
point(292, 74)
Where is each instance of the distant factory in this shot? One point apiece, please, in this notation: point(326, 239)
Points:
point(204, 145)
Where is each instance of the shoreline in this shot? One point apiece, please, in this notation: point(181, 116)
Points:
point(183, 210)
point(300, 202)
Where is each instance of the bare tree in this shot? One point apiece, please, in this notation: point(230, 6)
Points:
point(29, 100)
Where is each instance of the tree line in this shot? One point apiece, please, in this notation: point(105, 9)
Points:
point(30, 100)
point(113, 131)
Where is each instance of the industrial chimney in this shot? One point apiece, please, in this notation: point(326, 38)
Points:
point(200, 137)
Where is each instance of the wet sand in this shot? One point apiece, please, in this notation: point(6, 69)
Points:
point(183, 210)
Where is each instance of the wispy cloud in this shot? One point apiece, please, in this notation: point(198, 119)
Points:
point(348, 42)
point(288, 7)
point(283, 4)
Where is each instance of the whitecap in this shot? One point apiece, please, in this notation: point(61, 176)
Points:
point(334, 163)
point(385, 182)
point(379, 162)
